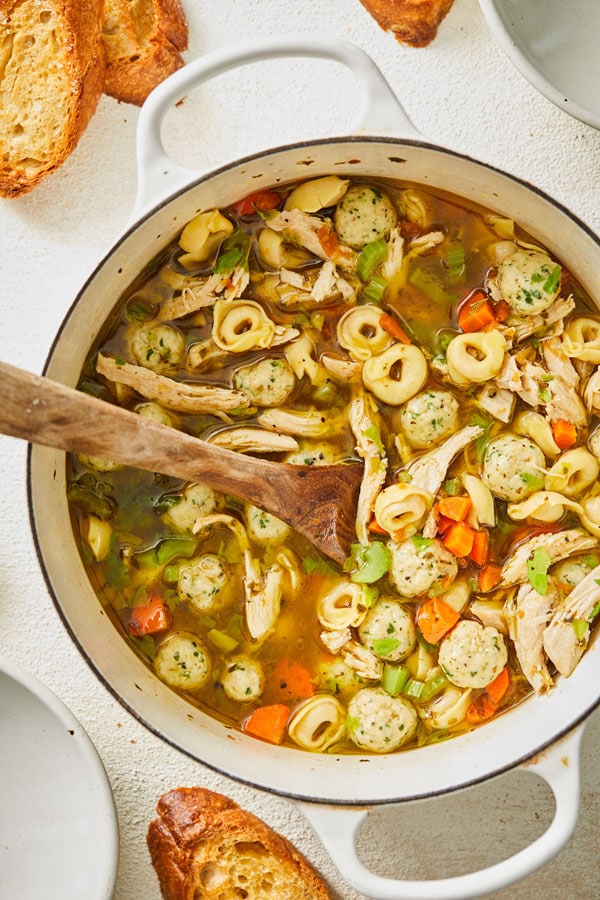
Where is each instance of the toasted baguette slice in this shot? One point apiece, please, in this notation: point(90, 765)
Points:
point(204, 845)
point(413, 22)
point(51, 76)
point(143, 40)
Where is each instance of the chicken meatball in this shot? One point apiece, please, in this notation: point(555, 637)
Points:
point(418, 565)
point(429, 417)
point(388, 630)
point(195, 502)
point(204, 581)
point(266, 383)
point(513, 467)
point(158, 347)
point(155, 412)
point(363, 215)
point(183, 661)
point(243, 679)
point(472, 654)
point(379, 722)
point(529, 281)
point(265, 528)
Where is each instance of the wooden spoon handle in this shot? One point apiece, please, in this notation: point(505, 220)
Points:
point(43, 411)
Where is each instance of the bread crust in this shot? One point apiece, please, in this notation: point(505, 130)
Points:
point(199, 840)
point(144, 40)
point(413, 22)
point(54, 129)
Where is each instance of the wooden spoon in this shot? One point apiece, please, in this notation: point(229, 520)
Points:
point(318, 502)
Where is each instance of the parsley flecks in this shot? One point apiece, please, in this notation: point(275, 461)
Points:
point(537, 570)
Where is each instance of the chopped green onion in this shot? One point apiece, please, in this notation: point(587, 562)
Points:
point(234, 252)
point(595, 610)
point(171, 574)
point(453, 487)
point(580, 627)
point(222, 640)
point(371, 258)
point(420, 543)
point(326, 393)
point(537, 570)
point(385, 646)
point(394, 678)
point(433, 686)
point(373, 433)
point(317, 320)
point(455, 263)
point(432, 286)
point(368, 562)
point(318, 565)
point(414, 688)
point(375, 289)
point(553, 280)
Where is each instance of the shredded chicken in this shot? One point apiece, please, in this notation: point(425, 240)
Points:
point(175, 395)
point(498, 402)
point(334, 641)
point(314, 289)
point(537, 386)
point(308, 423)
point(313, 233)
point(392, 265)
point(228, 285)
point(550, 321)
point(262, 590)
point(429, 471)
point(342, 369)
point(564, 645)
point(528, 615)
point(365, 427)
point(558, 545)
point(362, 660)
point(591, 393)
point(253, 440)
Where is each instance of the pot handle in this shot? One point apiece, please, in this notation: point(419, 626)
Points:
point(559, 767)
point(158, 175)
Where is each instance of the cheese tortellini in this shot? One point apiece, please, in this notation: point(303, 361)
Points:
point(397, 374)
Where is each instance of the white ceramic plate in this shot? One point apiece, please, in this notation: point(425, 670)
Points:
point(58, 824)
point(554, 44)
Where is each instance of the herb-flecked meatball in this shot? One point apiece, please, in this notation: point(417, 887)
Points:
point(388, 630)
point(513, 467)
point(363, 215)
point(419, 564)
point(380, 722)
point(268, 382)
point(472, 654)
point(529, 281)
point(429, 417)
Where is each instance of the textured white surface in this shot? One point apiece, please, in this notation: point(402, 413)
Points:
point(460, 92)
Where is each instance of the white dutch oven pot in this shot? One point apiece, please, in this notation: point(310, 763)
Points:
point(333, 790)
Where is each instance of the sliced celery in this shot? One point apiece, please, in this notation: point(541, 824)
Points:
point(371, 258)
point(394, 678)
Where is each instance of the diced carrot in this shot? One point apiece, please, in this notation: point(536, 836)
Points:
point(489, 577)
point(479, 550)
point(480, 710)
point(501, 311)
point(455, 508)
point(260, 201)
point(497, 688)
point(292, 681)
point(459, 539)
point(376, 528)
point(435, 618)
point(443, 524)
point(151, 618)
point(476, 312)
point(268, 722)
point(328, 240)
point(389, 324)
point(564, 433)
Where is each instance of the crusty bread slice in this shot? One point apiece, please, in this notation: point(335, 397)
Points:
point(203, 845)
point(51, 75)
point(413, 22)
point(144, 40)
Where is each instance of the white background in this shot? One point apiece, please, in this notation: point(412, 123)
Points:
point(460, 92)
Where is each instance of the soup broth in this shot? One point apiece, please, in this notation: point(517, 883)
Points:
point(334, 321)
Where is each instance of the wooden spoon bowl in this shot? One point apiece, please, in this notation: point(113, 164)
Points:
point(319, 502)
